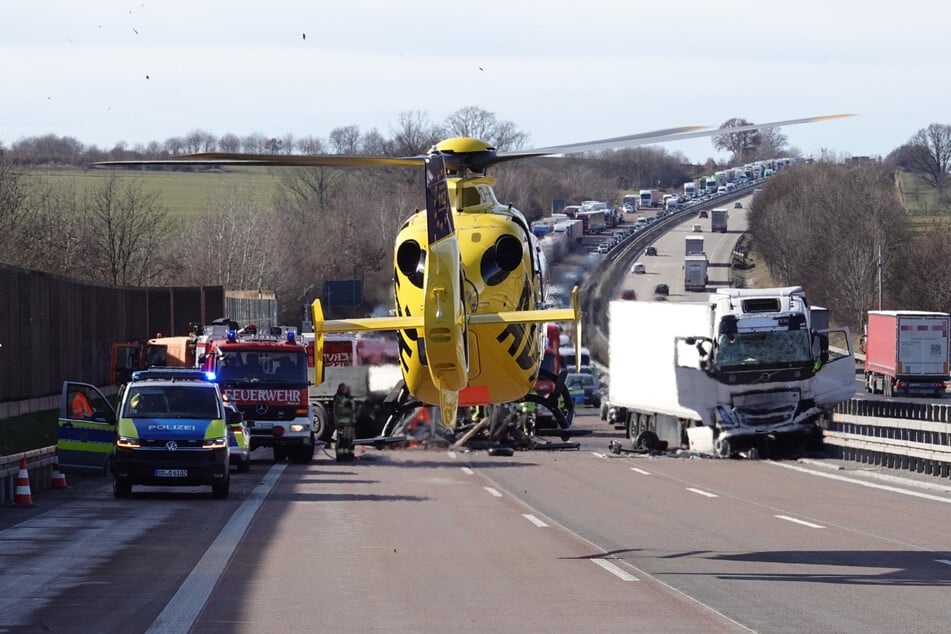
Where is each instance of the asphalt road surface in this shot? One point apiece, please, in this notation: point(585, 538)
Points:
point(430, 540)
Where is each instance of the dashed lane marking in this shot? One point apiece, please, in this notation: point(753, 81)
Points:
point(452, 454)
point(640, 471)
point(598, 455)
point(493, 492)
point(623, 575)
point(798, 521)
point(467, 471)
point(534, 520)
point(705, 494)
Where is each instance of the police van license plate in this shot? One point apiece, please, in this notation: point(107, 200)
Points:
point(171, 473)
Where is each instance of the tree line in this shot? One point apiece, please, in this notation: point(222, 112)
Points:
point(816, 225)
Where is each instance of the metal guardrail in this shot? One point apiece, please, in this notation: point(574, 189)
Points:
point(893, 434)
point(39, 464)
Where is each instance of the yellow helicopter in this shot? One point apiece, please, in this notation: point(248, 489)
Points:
point(469, 276)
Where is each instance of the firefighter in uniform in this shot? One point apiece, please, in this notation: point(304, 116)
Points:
point(344, 422)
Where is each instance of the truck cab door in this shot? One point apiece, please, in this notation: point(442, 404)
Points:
point(85, 435)
point(835, 380)
point(126, 359)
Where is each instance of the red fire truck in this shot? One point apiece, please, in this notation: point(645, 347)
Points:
point(265, 376)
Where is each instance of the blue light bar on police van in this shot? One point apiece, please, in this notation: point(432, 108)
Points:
point(172, 374)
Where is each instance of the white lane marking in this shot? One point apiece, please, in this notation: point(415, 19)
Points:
point(946, 562)
point(703, 493)
point(452, 454)
point(182, 611)
point(623, 575)
point(493, 492)
point(871, 485)
point(640, 471)
point(597, 455)
point(534, 520)
point(797, 521)
point(467, 471)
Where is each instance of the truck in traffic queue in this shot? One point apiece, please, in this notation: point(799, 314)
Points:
point(594, 220)
point(718, 219)
point(906, 352)
point(650, 198)
point(695, 272)
point(745, 372)
point(690, 190)
point(693, 245)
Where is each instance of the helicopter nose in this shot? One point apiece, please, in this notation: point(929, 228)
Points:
point(500, 259)
point(411, 261)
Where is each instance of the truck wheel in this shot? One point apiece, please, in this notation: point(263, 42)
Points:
point(647, 440)
point(723, 448)
point(323, 428)
point(303, 454)
point(888, 387)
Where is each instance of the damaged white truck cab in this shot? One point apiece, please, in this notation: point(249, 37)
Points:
point(749, 369)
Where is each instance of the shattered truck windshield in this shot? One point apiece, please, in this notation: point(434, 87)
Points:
point(783, 348)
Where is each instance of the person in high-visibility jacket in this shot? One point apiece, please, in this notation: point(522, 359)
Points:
point(344, 422)
point(80, 407)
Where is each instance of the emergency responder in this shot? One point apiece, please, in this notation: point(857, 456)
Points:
point(343, 420)
point(80, 406)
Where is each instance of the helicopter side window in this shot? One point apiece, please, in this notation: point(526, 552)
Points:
point(470, 197)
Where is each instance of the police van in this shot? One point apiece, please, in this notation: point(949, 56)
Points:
point(170, 429)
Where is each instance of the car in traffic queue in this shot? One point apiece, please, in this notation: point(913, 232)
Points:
point(584, 388)
point(650, 250)
point(172, 430)
point(638, 268)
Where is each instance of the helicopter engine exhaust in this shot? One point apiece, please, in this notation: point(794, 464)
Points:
point(501, 259)
point(411, 261)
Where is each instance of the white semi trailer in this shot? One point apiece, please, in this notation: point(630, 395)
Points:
point(745, 372)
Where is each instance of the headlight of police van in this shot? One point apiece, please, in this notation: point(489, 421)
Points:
point(125, 442)
point(298, 427)
point(216, 443)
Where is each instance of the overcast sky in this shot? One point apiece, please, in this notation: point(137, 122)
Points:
point(563, 72)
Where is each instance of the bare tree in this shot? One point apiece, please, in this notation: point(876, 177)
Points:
point(230, 143)
point(237, 244)
point(933, 153)
point(13, 210)
point(253, 143)
point(473, 121)
point(740, 144)
point(415, 135)
point(200, 141)
point(125, 228)
point(771, 143)
point(820, 226)
point(311, 145)
point(345, 140)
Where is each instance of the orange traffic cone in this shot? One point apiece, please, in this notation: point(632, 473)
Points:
point(22, 495)
point(58, 480)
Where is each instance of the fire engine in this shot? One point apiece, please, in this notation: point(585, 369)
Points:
point(265, 376)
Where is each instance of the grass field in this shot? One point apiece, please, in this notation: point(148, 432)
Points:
point(183, 193)
point(30, 431)
point(924, 205)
